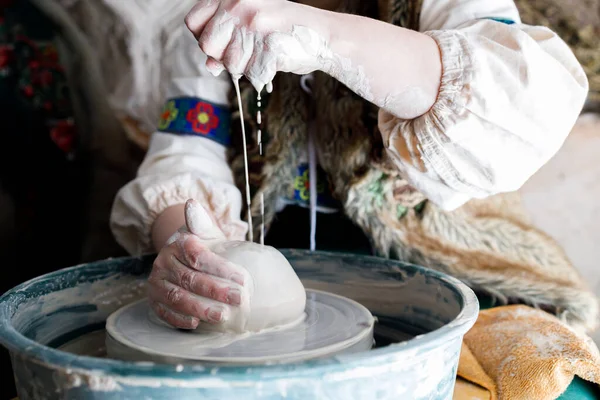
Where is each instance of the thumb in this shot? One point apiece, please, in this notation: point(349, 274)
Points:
point(199, 222)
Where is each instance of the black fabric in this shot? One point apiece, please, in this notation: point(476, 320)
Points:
point(41, 167)
point(335, 232)
point(42, 170)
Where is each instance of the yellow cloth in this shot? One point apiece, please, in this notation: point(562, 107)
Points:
point(465, 390)
point(518, 352)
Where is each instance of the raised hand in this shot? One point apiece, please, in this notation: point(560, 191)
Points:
point(258, 38)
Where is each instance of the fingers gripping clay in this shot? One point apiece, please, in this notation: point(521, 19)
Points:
point(273, 295)
point(275, 321)
point(276, 297)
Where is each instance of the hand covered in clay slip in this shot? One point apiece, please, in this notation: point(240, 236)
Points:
point(189, 283)
point(257, 38)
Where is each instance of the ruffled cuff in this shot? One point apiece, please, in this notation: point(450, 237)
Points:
point(449, 107)
point(417, 145)
point(457, 71)
point(139, 204)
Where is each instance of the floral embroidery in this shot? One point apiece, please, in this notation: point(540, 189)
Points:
point(63, 134)
point(6, 58)
point(203, 118)
point(30, 69)
point(169, 114)
point(302, 186)
point(377, 191)
point(196, 117)
point(301, 189)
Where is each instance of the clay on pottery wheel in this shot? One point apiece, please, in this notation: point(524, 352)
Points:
point(275, 296)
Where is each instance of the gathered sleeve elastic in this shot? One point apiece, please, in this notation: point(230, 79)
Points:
point(509, 95)
point(180, 167)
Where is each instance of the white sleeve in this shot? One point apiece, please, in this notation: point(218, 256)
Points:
point(177, 168)
point(509, 96)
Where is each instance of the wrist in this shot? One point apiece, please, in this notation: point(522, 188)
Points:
point(287, 15)
point(166, 224)
point(318, 22)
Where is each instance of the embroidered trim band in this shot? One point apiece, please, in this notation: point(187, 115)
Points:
point(196, 117)
point(302, 189)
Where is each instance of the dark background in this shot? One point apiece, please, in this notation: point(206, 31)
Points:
point(45, 169)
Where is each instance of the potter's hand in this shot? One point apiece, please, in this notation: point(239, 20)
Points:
point(396, 69)
point(257, 38)
point(189, 283)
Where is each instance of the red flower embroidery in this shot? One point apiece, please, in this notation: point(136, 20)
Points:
point(28, 91)
point(63, 135)
point(203, 118)
point(6, 56)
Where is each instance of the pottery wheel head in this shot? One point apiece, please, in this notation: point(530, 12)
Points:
point(332, 325)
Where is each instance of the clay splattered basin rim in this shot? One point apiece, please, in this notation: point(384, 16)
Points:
point(198, 376)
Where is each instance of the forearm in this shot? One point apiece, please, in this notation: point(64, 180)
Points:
point(510, 94)
point(397, 69)
point(167, 223)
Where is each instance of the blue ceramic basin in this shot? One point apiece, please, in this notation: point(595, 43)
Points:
point(422, 318)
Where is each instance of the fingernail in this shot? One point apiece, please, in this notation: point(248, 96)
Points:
point(234, 297)
point(215, 315)
point(238, 278)
point(191, 322)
